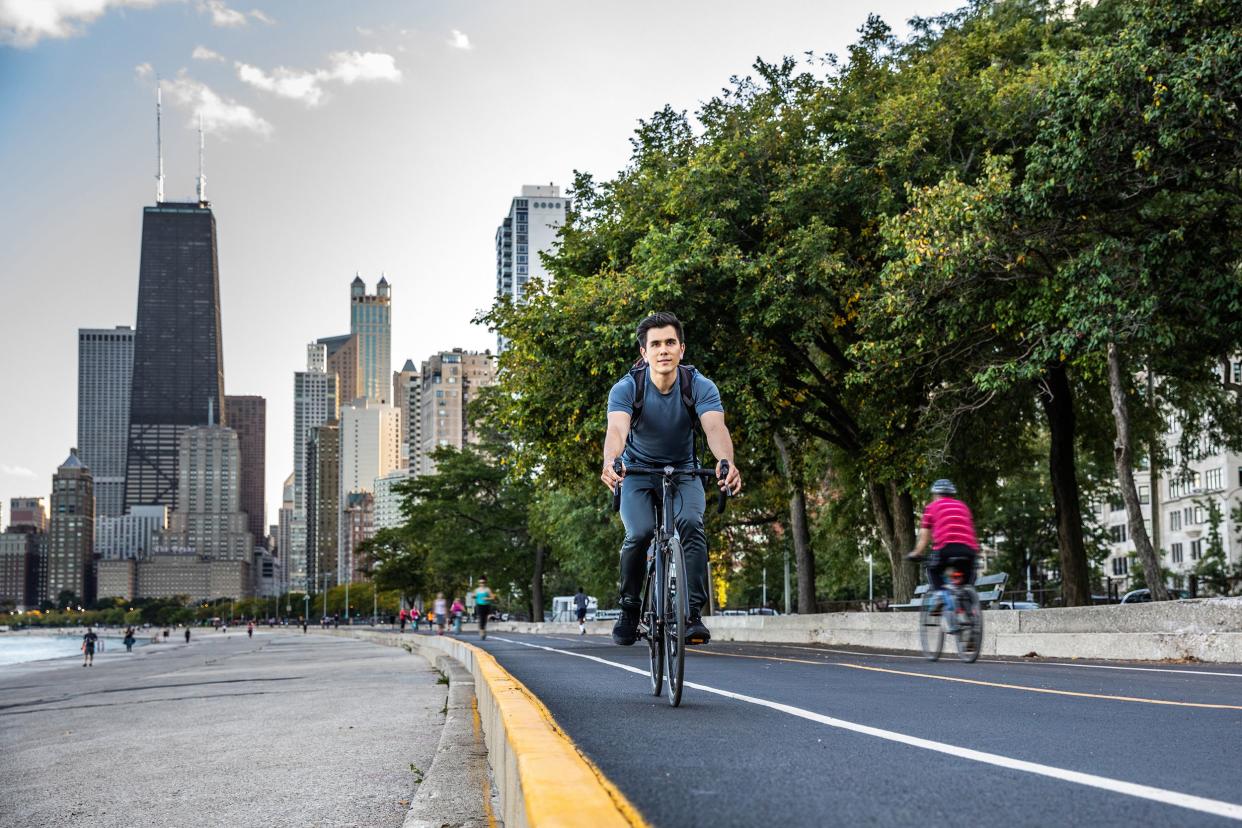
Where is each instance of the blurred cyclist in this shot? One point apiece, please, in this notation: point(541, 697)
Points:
point(950, 529)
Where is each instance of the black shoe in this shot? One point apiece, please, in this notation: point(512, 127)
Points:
point(625, 631)
point(696, 632)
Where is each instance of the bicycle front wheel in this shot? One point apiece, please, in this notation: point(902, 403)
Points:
point(674, 609)
point(969, 637)
point(651, 620)
point(931, 625)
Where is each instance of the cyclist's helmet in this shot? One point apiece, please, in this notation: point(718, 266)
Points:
point(944, 486)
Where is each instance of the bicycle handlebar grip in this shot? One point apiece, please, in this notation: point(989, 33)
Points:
point(723, 497)
point(616, 492)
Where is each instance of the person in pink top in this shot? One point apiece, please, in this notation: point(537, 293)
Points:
point(949, 528)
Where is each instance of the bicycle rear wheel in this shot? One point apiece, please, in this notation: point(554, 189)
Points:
point(651, 620)
point(673, 607)
point(931, 625)
point(969, 637)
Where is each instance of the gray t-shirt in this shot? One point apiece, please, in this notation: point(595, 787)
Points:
point(664, 434)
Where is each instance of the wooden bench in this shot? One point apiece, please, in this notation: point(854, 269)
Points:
point(989, 587)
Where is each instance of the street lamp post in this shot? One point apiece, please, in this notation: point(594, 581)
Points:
point(306, 611)
point(870, 578)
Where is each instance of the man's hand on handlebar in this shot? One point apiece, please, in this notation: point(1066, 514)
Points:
point(610, 476)
point(730, 482)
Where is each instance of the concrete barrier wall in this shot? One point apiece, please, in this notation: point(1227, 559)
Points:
point(1207, 629)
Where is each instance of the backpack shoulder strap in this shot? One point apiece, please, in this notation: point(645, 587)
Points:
point(638, 373)
point(686, 373)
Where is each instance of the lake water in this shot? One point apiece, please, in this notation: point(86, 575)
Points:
point(16, 649)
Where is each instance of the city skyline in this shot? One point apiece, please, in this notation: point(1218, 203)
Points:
point(344, 140)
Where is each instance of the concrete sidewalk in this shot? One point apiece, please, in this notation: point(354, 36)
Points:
point(283, 729)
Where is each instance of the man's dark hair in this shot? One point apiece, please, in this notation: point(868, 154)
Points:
point(659, 319)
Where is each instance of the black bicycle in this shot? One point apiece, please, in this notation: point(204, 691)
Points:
point(954, 610)
point(665, 596)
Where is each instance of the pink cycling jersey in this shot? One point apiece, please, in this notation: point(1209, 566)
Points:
point(950, 521)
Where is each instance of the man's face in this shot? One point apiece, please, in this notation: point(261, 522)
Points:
point(664, 350)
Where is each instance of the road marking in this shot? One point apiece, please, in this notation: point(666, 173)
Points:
point(1036, 689)
point(1216, 807)
point(1004, 661)
point(979, 682)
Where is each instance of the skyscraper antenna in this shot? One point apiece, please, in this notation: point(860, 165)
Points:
point(159, 148)
point(202, 176)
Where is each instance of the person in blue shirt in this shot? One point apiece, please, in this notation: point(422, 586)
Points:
point(663, 436)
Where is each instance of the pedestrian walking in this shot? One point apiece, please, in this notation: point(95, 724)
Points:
point(483, 598)
point(187, 635)
point(414, 619)
point(441, 610)
point(404, 616)
point(457, 611)
point(580, 604)
point(89, 640)
point(250, 630)
point(129, 640)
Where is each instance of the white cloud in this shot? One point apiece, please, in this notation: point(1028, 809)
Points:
point(287, 83)
point(222, 15)
point(144, 70)
point(26, 22)
point(220, 115)
point(364, 31)
point(308, 86)
point(349, 67)
point(203, 53)
point(15, 471)
point(460, 40)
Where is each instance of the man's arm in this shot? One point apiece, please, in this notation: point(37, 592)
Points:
point(614, 444)
point(721, 444)
point(925, 537)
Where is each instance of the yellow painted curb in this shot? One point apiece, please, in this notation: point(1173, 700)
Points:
point(560, 786)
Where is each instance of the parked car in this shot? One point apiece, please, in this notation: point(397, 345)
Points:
point(1017, 605)
point(1141, 596)
point(733, 612)
point(607, 615)
point(763, 611)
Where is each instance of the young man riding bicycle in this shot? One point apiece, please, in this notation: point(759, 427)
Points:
point(950, 529)
point(658, 430)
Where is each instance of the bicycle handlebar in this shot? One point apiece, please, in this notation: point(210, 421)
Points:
point(619, 468)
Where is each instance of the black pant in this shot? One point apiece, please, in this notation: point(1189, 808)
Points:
point(951, 555)
point(638, 493)
point(483, 610)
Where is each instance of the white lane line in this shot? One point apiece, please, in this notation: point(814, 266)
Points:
point(1216, 807)
point(1002, 661)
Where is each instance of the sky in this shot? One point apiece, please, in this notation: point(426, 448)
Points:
point(371, 137)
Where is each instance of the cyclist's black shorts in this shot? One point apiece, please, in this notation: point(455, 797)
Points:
point(955, 555)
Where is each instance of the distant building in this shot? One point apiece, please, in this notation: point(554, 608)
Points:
point(341, 357)
point(370, 444)
point(370, 320)
point(247, 415)
point(284, 531)
point(71, 533)
point(27, 513)
point(118, 578)
point(178, 351)
point(323, 503)
point(105, 370)
point(449, 381)
point(357, 525)
point(405, 390)
point(19, 571)
point(530, 228)
point(388, 499)
point(129, 536)
point(172, 574)
point(315, 402)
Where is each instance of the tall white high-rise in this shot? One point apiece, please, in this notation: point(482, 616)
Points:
point(405, 393)
point(315, 402)
point(530, 228)
point(129, 537)
point(105, 369)
point(370, 448)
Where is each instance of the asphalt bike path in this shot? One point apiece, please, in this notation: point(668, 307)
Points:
point(814, 736)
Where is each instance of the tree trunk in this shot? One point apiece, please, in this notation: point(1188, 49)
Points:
point(1153, 453)
point(1058, 405)
point(1125, 477)
point(536, 585)
point(894, 517)
point(804, 558)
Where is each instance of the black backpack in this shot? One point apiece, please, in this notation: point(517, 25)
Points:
point(685, 377)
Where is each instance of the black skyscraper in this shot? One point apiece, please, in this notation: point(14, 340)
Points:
point(178, 364)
